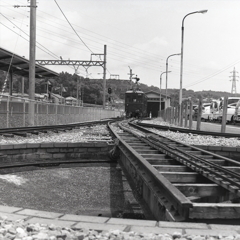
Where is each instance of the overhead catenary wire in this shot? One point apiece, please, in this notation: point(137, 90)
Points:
point(117, 56)
point(72, 27)
point(156, 68)
point(9, 67)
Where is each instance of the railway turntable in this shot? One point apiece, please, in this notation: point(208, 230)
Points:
point(179, 182)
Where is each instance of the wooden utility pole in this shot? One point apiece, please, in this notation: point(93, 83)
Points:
point(190, 113)
point(199, 116)
point(224, 115)
point(22, 87)
point(32, 52)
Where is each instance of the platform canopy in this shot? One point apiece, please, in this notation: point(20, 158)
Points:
point(20, 65)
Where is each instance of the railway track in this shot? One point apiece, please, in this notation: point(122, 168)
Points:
point(24, 131)
point(180, 182)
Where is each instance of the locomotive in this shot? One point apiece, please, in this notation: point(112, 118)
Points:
point(135, 104)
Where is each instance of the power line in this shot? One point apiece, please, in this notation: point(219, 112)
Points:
point(73, 27)
point(212, 75)
point(53, 54)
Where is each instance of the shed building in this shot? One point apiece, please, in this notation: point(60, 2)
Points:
point(153, 102)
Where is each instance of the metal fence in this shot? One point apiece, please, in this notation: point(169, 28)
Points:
point(14, 113)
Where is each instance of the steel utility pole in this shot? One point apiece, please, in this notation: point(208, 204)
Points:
point(32, 52)
point(130, 77)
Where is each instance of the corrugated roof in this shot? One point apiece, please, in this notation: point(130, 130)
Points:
point(20, 65)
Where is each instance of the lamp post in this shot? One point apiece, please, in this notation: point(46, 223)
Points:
point(160, 90)
point(181, 69)
point(167, 70)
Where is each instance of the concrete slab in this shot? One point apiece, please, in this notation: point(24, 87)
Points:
point(83, 218)
point(51, 221)
point(8, 209)
point(12, 217)
point(156, 230)
point(225, 227)
point(44, 214)
point(132, 222)
point(100, 226)
point(210, 232)
point(183, 225)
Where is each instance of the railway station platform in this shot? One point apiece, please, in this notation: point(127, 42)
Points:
point(175, 229)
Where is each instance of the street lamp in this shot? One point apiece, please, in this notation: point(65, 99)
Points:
point(160, 90)
point(167, 70)
point(181, 70)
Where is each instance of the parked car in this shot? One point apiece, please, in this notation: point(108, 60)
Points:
point(205, 111)
point(188, 111)
point(231, 111)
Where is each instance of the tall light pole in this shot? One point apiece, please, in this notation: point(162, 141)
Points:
point(160, 90)
point(167, 70)
point(181, 69)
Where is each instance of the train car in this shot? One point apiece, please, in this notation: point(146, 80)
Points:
point(135, 104)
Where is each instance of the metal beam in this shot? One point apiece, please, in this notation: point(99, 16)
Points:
point(71, 62)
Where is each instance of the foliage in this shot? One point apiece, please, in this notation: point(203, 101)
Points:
point(91, 90)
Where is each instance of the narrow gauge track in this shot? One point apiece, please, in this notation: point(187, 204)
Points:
point(188, 183)
point(23, 131)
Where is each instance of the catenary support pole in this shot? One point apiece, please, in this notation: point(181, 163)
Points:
point(32, 51)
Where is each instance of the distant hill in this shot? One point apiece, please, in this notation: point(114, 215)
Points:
point(91, 90)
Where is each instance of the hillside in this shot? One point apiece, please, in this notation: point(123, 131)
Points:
point(91, 90)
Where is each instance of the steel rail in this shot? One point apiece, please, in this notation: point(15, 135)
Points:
point(148, 172)
point(50, 127)
point(214, 172)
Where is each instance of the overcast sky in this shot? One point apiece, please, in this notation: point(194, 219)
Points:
point(140, 34)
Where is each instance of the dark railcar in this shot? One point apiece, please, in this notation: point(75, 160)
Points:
point(135, 104)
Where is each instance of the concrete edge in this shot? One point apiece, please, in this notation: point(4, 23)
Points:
point(107, 224)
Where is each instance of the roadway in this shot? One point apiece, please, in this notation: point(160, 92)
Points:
point(216, 127)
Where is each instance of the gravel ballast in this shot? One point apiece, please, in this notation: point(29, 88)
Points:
point(21, 230)
point(193, 139)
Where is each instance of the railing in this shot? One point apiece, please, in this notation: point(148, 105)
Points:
point(14, 112)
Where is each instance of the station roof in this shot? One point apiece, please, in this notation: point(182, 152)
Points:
point(20, 65)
